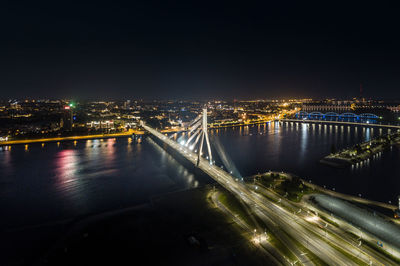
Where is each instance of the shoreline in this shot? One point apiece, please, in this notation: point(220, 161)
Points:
point(142, 132)
point(71, 138)
point(113, 135)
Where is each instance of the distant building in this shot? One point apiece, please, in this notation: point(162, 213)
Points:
point(327, 107)
point(127, 104)
point(100, 124)
point(395, 108)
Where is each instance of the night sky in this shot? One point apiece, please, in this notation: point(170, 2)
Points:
point(198, 50)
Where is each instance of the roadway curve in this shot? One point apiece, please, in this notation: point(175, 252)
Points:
point(308, 234)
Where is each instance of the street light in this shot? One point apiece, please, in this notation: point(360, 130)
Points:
point(326, 225)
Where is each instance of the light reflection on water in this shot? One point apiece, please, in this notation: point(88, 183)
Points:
point(188, 177)
point(66, 166)
point(368, 134)
point(301, 146)
point(5, 162)
point(303, 141)
point(98, 175)
point(69, 179)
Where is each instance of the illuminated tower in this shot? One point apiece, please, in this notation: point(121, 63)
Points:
point(398, 197)
point(205, 134)
point(198, 132)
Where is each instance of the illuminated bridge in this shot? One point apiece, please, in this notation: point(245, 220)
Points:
point(192, 151)
point(344, 117)
point(367, 124)
point(292, 224)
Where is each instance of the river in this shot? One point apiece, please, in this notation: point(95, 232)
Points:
point(43, 184)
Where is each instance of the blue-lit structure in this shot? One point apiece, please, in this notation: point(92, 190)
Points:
point(345, 117)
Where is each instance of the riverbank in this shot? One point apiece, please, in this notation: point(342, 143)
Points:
point(239, 124)
point(72, 138)
point(117, 135)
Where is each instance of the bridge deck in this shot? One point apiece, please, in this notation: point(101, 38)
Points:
point(288, 221)
point(213, 171)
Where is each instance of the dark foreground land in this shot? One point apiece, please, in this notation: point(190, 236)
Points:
point(181, 228)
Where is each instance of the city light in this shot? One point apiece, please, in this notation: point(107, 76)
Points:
point(312, 218)
point(260, 238)
point(145, 131)
point(252, 194)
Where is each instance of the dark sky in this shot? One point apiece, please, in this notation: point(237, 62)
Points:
point(198, 50)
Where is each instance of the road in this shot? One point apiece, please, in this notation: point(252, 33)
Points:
point(336, 235)
point(308, 234)
point(376, 225)
point(273, 254)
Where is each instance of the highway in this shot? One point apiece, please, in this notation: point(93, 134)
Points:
point(298, 228)
point(336, 235)
point(310, 235)
point(374, 224)
point(273, 254)
point(222, 177)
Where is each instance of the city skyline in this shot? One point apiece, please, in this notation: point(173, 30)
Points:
point(264, 173)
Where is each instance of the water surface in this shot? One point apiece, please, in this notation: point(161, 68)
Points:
point(42, 184)
point(297, 148)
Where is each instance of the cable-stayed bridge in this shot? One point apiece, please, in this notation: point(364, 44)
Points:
point(266, 209)
point(193, 151)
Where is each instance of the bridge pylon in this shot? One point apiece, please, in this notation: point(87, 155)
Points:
point(198, 134)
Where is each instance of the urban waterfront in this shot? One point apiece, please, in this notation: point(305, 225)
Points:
point(54, 182)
